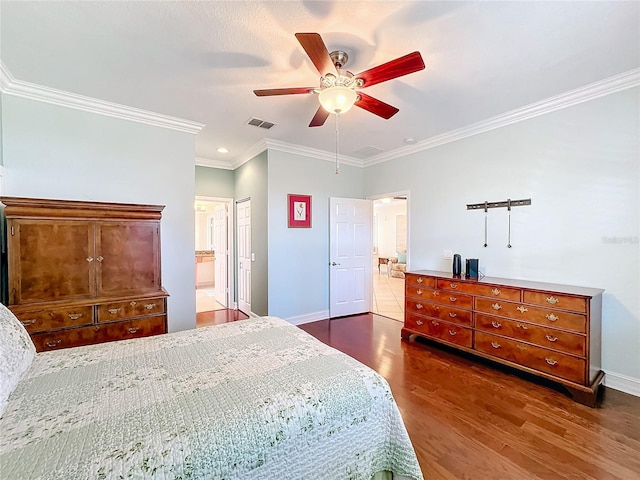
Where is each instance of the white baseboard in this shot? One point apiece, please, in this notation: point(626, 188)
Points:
point(308, 318)
point(623, 383)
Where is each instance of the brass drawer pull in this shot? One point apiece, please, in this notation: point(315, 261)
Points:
point(100, 258)
point(133, 303)
point(74, 316)
point(495, 324)
point(419, 322)
point(419, 280)
point(453, 315)
point(150, 306)
point(496, 306)
point(495, 345)
point(89, 259)
point(53, 343)
point(113, 311)
point(435, 323)
point(436, 293)
point(523, 327)
point(522, 309)
point(419, 291)
point(452, 299)
point(133, 329)
point(419, 306)
point(551, 361)
point(453, 285)
point(552, 300)
point(551, 338)
point(452, 333)
point(552, 317)
point(495, 291)
point(31, 321)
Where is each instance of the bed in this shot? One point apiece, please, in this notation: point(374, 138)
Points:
point(254, 399)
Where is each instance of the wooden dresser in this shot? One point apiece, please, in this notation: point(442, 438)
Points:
point(83, 272)
point(552, 331)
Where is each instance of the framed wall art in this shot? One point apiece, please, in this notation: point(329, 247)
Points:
point(299, 211)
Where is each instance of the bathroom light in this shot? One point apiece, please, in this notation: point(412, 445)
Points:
point(223, 150)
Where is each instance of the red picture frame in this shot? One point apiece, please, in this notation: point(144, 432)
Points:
point(299, 211)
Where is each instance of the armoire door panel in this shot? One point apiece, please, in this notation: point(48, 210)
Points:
point(53, 260)
point(128, 257)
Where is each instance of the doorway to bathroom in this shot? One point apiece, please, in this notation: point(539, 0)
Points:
point(213, 254)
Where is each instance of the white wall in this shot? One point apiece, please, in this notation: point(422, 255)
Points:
point(56, 152)
point(580, 166)
point(299, 257)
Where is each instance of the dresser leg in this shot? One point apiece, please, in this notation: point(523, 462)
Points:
point(589, 396)
point(405, 334)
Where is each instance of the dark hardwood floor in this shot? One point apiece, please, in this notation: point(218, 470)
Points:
point(215, 317)
point(470, 419)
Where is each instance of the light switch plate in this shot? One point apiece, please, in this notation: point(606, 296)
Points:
point(448, 255)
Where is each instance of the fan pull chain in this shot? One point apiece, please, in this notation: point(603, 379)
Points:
point(485, 223)
point(337, 138)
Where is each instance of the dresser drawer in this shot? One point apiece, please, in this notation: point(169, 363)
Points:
point(108, 312)
point(445, 331)
point(555, 300)
point(418, 291)
point(545, 337)
point(505, 293)
point(55, 318)
point(537, 358)
point(442, 312)
point(420, 280)
point(76, 337)
point(529, 313)
point(453, 299)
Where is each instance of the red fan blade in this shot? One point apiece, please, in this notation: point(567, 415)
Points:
point(376, 106)
point(283, 91)
point(319, 118)
point(393, 69)
point(317, 51)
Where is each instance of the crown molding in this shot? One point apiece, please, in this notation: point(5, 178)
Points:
point(210, 162)
point(589, 92)
point(18, 88)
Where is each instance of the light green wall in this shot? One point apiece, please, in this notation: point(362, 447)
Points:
point(62, 153)
point(214, 182)
point(1, 156)
point(581, 168)
point(251, 182)
point(299, 257)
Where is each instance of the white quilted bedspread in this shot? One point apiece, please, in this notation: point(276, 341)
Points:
point(255, 399)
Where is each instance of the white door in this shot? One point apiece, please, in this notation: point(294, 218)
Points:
point(349, 256)
point(244, 256)
point(220, 222)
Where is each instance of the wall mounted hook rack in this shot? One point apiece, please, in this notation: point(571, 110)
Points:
point(505, 203)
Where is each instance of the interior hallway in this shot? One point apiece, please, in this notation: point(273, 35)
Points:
point(388, 294)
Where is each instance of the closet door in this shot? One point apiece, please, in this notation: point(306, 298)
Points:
point(128, 257)
point(50, 260)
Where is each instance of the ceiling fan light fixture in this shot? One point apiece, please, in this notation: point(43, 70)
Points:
point(337, 99)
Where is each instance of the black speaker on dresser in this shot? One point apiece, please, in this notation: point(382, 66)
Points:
point(472, 268)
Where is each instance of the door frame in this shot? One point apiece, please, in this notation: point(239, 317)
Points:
point(230, 246)
point(237, 258)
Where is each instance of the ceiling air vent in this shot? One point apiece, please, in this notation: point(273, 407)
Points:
point(367, 152)
point(256, 122)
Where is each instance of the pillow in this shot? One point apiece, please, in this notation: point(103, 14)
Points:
point(402, 258)
point(16, 354)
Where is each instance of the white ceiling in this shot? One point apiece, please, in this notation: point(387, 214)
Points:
point(201, 61)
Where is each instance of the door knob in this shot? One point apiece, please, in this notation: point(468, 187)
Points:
point(333, 264)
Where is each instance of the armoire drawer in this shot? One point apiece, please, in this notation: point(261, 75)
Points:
point(420, 280)
point(453, 299)
point(537, 358)
point(542, 316)
point(54, 318)
point(75, 337)
point(546, 337)
point(108, 312)
point(418, 291)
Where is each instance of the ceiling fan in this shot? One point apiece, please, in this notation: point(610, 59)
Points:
point(340, 89)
